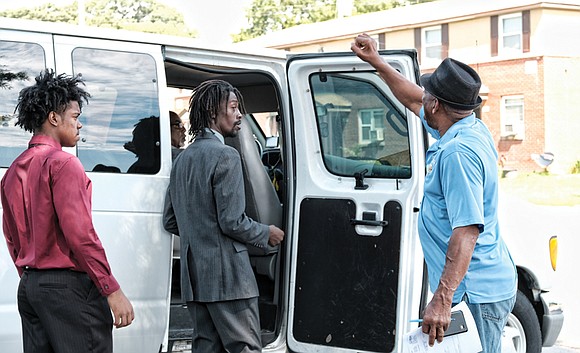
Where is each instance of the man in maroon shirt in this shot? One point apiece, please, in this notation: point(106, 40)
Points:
point(67, 291)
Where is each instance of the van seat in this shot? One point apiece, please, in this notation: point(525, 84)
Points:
point(262, 202)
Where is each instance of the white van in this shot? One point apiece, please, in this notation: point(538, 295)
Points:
point(328, 154)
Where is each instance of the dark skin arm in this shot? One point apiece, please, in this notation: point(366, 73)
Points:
point(437, 314)
point(122, 309)
point(407, 92)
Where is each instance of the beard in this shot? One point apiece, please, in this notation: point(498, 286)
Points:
point(234, 131)
point(231, 133)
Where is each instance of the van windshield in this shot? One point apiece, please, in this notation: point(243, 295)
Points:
point(361, 129)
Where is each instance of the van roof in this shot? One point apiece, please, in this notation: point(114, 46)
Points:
point(132, 36)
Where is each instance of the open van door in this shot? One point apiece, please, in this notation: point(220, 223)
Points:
point(356, 263)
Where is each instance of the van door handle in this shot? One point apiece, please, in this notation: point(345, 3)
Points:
point(365, 222)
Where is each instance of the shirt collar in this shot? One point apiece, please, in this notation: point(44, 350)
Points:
point(458, 126)
point(43, 140)
point(217, 134)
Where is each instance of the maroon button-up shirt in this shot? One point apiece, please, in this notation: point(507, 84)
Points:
point(46, 200)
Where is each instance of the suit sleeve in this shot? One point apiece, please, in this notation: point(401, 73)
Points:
point(169, 221)
point(229, 194)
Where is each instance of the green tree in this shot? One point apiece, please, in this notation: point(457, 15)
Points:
point(137, 15)
point(266, 16)
point(368, 6)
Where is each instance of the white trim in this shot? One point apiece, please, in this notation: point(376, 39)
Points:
point(502, 33)
point(511, 126)
point(371, 125)
point(425, 46)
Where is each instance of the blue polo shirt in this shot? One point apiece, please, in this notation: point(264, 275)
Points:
point(461, 189)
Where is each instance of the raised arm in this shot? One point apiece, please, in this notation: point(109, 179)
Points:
point(407, 92)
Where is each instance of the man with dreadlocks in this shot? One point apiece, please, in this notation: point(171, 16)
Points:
point(205, 205)
point(67, 291)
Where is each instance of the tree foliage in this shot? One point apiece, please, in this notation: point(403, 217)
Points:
point(6, 77)
point(266, 16)
point(137, 15)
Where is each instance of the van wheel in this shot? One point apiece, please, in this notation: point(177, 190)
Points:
point(522, 332)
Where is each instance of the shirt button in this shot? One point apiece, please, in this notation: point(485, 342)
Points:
point(106, 286)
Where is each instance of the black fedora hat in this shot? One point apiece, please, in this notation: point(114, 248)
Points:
point(454, 83)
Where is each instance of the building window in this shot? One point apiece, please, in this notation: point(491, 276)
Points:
point(432, 43)
point(512, 117)
point(510, 33)
point(371, 125)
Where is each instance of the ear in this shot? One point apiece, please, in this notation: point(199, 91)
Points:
point(52, 119)
point(436, 106)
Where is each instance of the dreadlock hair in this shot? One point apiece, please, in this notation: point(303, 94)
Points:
point(50, 93)
point(206, 101)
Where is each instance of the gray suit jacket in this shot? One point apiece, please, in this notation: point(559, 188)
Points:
point(205, 206)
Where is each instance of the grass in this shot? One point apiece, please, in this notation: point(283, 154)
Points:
point(544, 189)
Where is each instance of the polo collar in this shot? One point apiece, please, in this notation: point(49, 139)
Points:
point(458, 126)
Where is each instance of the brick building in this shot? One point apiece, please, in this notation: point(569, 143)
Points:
point(526, 52)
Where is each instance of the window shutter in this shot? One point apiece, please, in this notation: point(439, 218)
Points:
point(526, 31)
point(444, 41)
point(494, 34)
point(418, 43)
point(381, 41)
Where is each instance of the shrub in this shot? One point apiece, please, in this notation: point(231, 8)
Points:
point(576, 168)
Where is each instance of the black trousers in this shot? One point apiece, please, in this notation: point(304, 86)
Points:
point(62, 311)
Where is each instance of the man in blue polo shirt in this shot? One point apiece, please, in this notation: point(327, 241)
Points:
point(466, 258)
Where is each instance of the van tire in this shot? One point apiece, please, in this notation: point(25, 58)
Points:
point(522, 330)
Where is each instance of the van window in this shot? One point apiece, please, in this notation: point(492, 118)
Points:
point(360, 128)
point(121, 122)
point(15, 58)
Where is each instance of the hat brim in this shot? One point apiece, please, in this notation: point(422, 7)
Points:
point(426, 83)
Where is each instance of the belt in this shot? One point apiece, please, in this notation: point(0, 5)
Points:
point(32, 269)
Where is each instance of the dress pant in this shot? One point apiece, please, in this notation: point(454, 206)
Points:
point(229, 326)
point(62, 311)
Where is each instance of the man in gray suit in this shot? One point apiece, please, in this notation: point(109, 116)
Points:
point(205, 205)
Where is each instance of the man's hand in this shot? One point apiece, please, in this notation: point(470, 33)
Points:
point(436, 320)
point(437, 314)
point(365, 48)
point(276, 235)
point(122, 309)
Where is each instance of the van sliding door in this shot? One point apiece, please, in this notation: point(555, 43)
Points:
point(126, 152)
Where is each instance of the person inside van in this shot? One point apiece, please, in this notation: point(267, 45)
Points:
point(177, 134)
point(205, 206)
point(467, 260)
point(67, 290)
point(146, 146)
